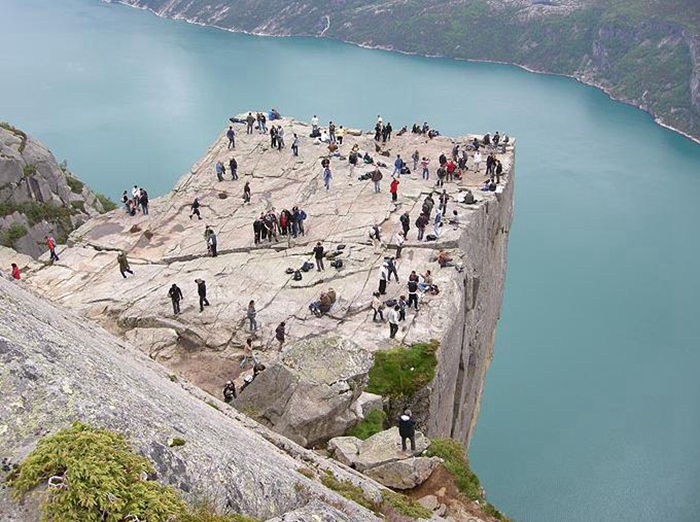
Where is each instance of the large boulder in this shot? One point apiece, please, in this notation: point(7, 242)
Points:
point(405, 474)
point(384, 447)
point(309, 394)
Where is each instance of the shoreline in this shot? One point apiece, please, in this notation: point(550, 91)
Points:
point(657, 119)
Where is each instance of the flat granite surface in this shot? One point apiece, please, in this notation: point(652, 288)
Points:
point(167, 246)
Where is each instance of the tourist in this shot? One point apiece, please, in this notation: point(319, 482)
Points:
point(499, 171)
point(427, 283)
point(443, 199)
point(279, 334)
point(383, 274)
point(454, 219)
point(123, 264)
point(211, 241)
point(407, 430)
point(295, 145)
point(377, 307)
point(376, 178)
point(413, 291)
point(318, 255)
point(477, 160)
point(441, 175)
point(415, 157)
point(273, 136)
point(399, 243)
point(250, 120)
point(135, 196)
point(250, 315)
point(51, 245)
point(143, 201)
point(246, 192)
point(424, 166)
point(398, 165)
point(175, 295)
point(402, 307)
point(327, 177)
point(202, 292)
point(450, 168)
point(15, 272)
point(405, 220)
point(229, 392)
point(375, 235)
point(391, 269)
point(231, 135)
point(233, 166)
point(394, 189)
point(207, 232)
point(393, 321)
point(280, 138)
point(314, 127)
point(421, 223)
point(437, 223)
point(339, 134)
point(248, 353)
point(331, 132)
point(195, 209)
point(220, 170)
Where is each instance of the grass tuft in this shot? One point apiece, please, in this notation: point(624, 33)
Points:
point(401, 372)
point(371, 424)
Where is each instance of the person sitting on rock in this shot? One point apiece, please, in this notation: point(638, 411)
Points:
point(229, 391)
point(15, 272)
point(407, 430)
point(324, 303)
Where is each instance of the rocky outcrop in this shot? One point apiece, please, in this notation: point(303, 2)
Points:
point(37, 196)
point(167, 246)
point(310, 394)
point(56, 368)
point(381, 457)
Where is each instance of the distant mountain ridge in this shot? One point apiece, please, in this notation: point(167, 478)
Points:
point(643, 52)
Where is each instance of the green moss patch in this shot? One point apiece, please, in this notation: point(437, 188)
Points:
point(455, 461)
point(371, 424)
point(13, 233)
point(107, 204)
point(97, 477)
point(401, 372)
point(38, 212)
point(75, 184)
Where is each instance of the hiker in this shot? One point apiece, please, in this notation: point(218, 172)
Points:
point(444, 198)
point(399, 244)
point(175, 295)
point(454, 220)
point(246, 192)
point(250, 120)
point(51, 245)
point(230, 134)
point(413, 290)
point(499, 171)
point(143, 201)
point(220, 170)
point(402, 307)
point(427, 283)
point(437, 223)
point(405, 224)
point(279, 334)
point(314, 126)
point(331, 131)
point(339, 134)
point(496, 139)
point(394, 189)
point(477, 160)
point(195, 209)
point(318, 256)
point(273, 137)
point(450, 168)
point(202, 292)
point(421, 223)
point(415, 157)
point(376, 178)
point(295, 145)
point(207, 231)
point(393, 321)
point(377, 307)
point(391, 269)
point(327, 177)
point(383, 274)
point(376, 236)
point(15, 272)
point(233, 166)
point(250, 315)
point(123, 264)
point(424, 166)
point(407, 430)
point(441, 175)
point(212, 244)
point(398, 165)
point(263, 120)
point(135, 196)
point(280, 138)
point(428, 204)
point(352, 159)
point(248, 353)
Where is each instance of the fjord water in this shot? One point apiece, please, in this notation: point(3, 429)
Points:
point(591, 409)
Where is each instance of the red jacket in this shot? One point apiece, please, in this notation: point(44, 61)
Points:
point(394, 187)
point(15, 272)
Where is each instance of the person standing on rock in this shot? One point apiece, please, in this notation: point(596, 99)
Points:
point(413, 291)
point(399, 244)
point(295, 145)
point(123, 264)
point(279, 334)
point(246, 192)
point(327, 176)
point(314, 126)
point(391, 269)
point(195, 209)
point(394, 189)
point(202, 292)
point(280, 138)
point(398, 165)
point(393, 322)
point(233, 165)
point(175, 295)
point(402, 307)
point(250, 315)
point(424, 167)
point(231, 135)
point(415, 157)
point(444, 198)
point(376, 178)
point(405, 224)
point(248, 353)
point(51, 245)
point(339, 134)
point(212, 244)
point(421, 223)
point(250, 120)
point(220, 170)
point(257, 230)
point(143, 200)
point(377, 307)
point(207, 232)
point(407, 430)
point(15, 272)
point(331, 131)
point(273, 136)
point(318, 255)
point(383, 274)
point(229, 392)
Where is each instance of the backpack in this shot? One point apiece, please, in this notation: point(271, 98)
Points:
point(338, 263)
point(297, 275)
point(289, 271)
point(431, 237)
point(306, 266)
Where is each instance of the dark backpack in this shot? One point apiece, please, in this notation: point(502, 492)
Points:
point(297, 275)
point(306, 266)
point(338, 263)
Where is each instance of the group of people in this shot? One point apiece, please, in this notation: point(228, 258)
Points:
point(137, 201)
point(269, 225)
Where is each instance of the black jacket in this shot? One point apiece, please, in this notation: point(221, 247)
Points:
point(202, 289)
point(407, 428)
point(175, 293)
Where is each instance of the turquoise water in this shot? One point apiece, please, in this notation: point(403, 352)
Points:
point(591, 410)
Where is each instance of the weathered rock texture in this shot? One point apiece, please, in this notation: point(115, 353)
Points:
point(167, 247)
point(37, 196)
point(56, 368)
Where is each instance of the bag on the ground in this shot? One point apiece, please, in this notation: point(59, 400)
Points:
point(431, 237)
point(289, 271)
point(390, 303)
point(297, 275)
point(338, 263)
point(306, 266)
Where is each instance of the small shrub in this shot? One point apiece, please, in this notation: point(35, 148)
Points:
point(13, 234)
point(348, 490)
point(78, 205)
point(405, 505)
point(401, 372)
point(75, 184)
point(107, 204)
point(371, 424)
point(29, 170)
point(307, 473)
point(176, 442)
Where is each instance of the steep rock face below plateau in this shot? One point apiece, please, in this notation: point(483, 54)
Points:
point(167, 246)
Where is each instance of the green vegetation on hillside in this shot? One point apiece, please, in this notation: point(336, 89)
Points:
point(12, 235)
point(76, 186)
point(371, 424)
point(94, 476)
point(38, 212)
point(400, 372)
point(14, 130)
point(107, 204)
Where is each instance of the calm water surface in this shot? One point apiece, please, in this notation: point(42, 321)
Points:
point(591, 409)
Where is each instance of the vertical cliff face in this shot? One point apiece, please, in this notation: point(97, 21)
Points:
point(167, 246)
